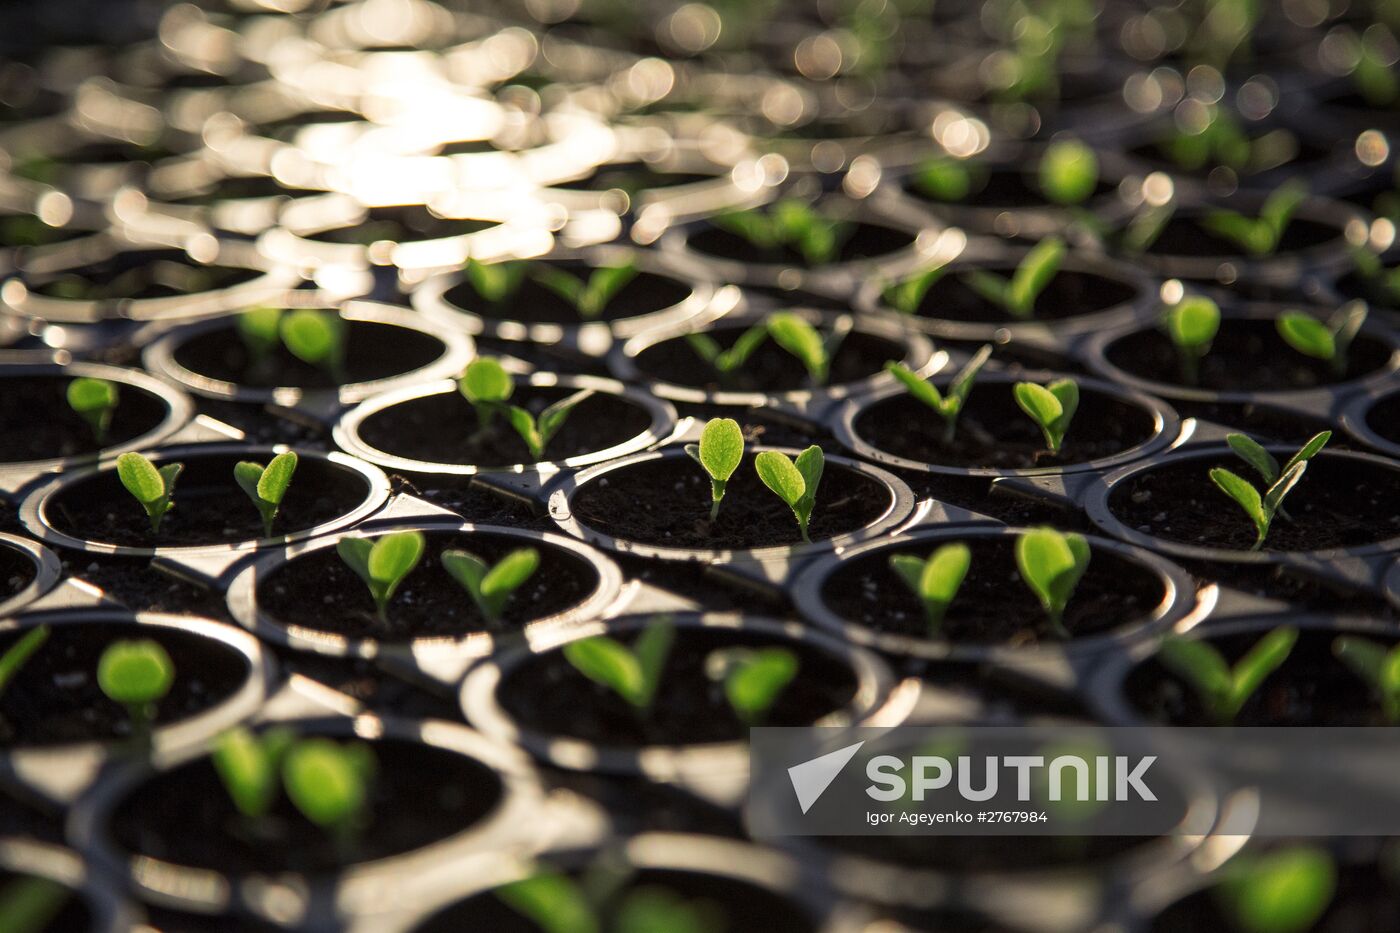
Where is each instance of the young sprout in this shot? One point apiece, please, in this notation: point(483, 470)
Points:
point(1069, 172)
point(556, 903)
point(806, 343)
point(1052, 564)
point(1224, 690)
point(725, 362)
point(491, 587)
point(136, 673)
point(935, 581)
point(266, 485)
point(489, 387)
point(1376, 664)
point(720, 451)
point(907, 296)
point(794, 482)
point(13, 659)
point(752, 678)
point(1328, 342)
point(316, 338)
point(95, 401)
point(329, 783)
point(382, 563)
point(589, 298)
point(553, 902)
point(1260, 236)
point(1051, 407)
point(1285, 891)
point(30, 904)
point(950, 406)
point(497, 282)
point(1017, 295)
point(260, 329)
point(632, 673)
point(248, 766)
point(788, 223)
point(152, 487)
point(1279, 481)
point(1146, 227)
point(1192, 324)
point(486, 385)
point(538, 432)
point(944, 178)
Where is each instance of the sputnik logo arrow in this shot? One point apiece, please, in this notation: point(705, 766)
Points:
point(811, 778)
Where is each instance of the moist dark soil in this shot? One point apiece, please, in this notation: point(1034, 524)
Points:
point(1338, 503)
point(545, 694)
point(1246, 356)
point(994, 432)
point(666, 503)
point(75, 917)
point(317, 591)
point(1364, 900)
point(865, 241)
point(420, 795)
point(1258, 421)
point(1312, 688)
point(1384, 417)
point(740, 906)
point(16, 571)
point(535, 304)
point(444, 428)
point(372, 352)
point(210, 508)
point(634, 177)
point(994, 606)
point(400, 224)
point(55, 698)
point(1354, 285)
point(770, 368)
point(1069, 294)
point(1000, 188)
point(1185, 235)
point(37, 424)
point(141, 274)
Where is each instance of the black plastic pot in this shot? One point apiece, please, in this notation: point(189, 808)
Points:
point(93, 904)
point(1373, 418)
point(28, 570)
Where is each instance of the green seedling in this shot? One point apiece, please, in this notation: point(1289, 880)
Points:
point(936, 580)
point(950, 406)
point(488, 387)
point(316, 338)
point(1221, 141)
point(1224, 690)
point(1378, 665)
point(329, 783)
point(789, 223)
point(491, 587)
point(805, 342)
point(30, 904)
point(1285, 891)
point(1192, 324)
point(137, 673)
point(249, 767)
point(588, 297)
point(260, 329)
point(1279, 481)
point(795, 482)
point(1373, 73)
point(1069, 172)
point(14, 658)
point(497, 282)
point(726, 362)
point(720, 451)
point(1017, 295)
point(95, 401)
point(152, 487)
point(553, 902)
point(632, 673)
point(1146, 227)
point(1328, 342)
point(753, 678)
point(556, 903)
point(382, 563)
point(266, 485)
point(1051, 407)
point(1260, 236)
point(907, 295)
point(1052, 564)
point(945, 178)
point(538, 432)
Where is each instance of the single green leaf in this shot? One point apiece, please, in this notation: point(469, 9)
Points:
point(1248, 499)
point(566, 285)
point(525, 425)
point(810, 463)
point(394, 556)
point(993, 288)
point(920, 389)
point(610, 663)
point(803, 341)
point(491, 587)
point(1192, 323)
point(355, 553)
point(135, 671)
point(140, 477)
point(1146, 227)
point(17, 655)
point(95, 401)
point(1252, 453)
point(721, 448)
point(485, 380)
point(908, 295)
point(316, 337)
point(1034, 273)
point(260, 329)
point(553, 902)
point(604, 285)
point(944, 178)
point(248, 771)
point(1266, 656)
point(961, 386)
point(1254, 236)
point(1203, 668)
point(935, 581)
point(1043, 407)
point(496, 281)
point(554, 415)
point(1274, 496)
point(1280, 206)
point(510, 573)
point(1069, 172)
point(754, 678)
point(1377, 665)
point(1309, 450)
point(1052, 564)
point(781, 476)
point(1307, 335)
point(277, 478)
point(326, 782)
point(1286, 891)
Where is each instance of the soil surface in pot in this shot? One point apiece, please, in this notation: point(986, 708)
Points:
point(55, 699)
point(666, 503)
point(1339, 503)
point(16, 571)
point(318, 591)
point(739, 906)
point(1185, 236)
point(1070, 294)
point(400, 224)
point(210, 508)
point(1312, 688)
point(1246, 356)
point(866, 241)
point(444, 428)
point(37, 424)
point(1258, 421)
point(994, 605)
point(535, 304)
point(1363, 901)
point(420, 795)
point(372, 351)
point(1384, 418)
point(994, 432)
point(141, 274)
point(546, 695)
point(74, 917)
point(770, 368)
point(1000, 188)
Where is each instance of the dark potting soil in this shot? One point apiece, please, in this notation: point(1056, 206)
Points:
point(1246, 356)
point(1000, 188)
point(545, 694)
point(443, 428)
point(1338, 503)
point(1184, 235)
point(317, 591)
point(994, 432)
point(16, 571)
point(141, 274)
point(1364, 900)
point(74, 917)
point(1069, 294)
point(55, 698)
point(37, 424)
point(400, 224)
point(420, 795)
point(372, 351)
point(535, 304)
point(866, 241)
point(666, 502)
point(1384, 417)
point(994, 606)
point(740, 906)
point(210, 508)
point(770, 368)
point(640, 805)
point(1258, 421)
point(1312, 688)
